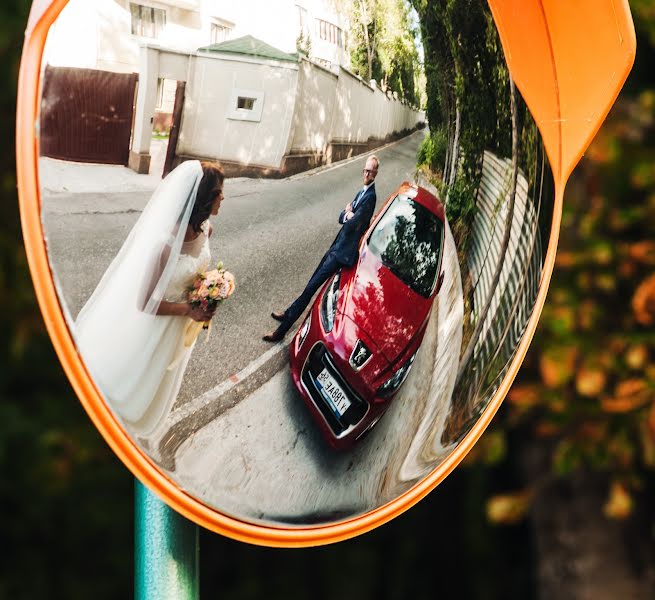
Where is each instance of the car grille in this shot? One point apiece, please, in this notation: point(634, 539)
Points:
point(319, 358)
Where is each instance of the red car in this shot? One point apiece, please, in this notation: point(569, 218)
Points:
point(357, 345)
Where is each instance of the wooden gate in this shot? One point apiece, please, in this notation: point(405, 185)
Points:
point(171, 151)
point(87, 115)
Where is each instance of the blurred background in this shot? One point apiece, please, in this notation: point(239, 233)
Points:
point(555, 501)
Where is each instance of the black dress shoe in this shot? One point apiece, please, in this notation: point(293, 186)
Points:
point(276, 336)
point(278, 316)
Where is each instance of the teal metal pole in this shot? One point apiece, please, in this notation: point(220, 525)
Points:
point(166, 551)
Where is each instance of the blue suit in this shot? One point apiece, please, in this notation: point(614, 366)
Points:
point(342, 253)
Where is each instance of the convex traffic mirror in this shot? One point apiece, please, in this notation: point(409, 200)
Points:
point(280, 318)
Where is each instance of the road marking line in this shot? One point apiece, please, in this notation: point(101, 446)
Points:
point(209, 396)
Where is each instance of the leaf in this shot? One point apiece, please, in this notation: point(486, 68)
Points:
point(566, 458)
point(636, 357)
point(565, 260)
point(524, 395)
point(647, 437)
point(643, 302)
point(619, 503)
point(508, 509)
point(590, 381)
point(643, 252)
point(547, 429)
point(629, 395)
point(557, 365)
point(587, 314)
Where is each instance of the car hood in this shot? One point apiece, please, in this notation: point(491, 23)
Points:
point(383, 306)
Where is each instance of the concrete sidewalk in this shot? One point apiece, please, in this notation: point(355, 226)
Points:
point(58, 177)
point(65, 177)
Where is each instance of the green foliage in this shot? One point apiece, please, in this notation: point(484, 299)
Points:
point(432, 151)
point(461, 201)
point(304, 44)
point(468, 91)
point(383, 46)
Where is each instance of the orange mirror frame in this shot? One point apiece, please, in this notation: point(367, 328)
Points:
point(569, 60)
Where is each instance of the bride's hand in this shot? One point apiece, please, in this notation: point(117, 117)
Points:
point(201, 315)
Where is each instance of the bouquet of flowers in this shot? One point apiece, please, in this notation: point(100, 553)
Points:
point(208, 290)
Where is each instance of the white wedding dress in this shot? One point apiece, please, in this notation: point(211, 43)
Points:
point(136, 357)
point(156, 391)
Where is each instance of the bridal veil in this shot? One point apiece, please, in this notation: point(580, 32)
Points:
point(113, 330)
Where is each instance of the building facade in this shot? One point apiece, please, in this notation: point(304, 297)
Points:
point(106, 34)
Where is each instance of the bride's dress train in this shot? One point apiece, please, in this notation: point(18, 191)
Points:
point(135, 356)
point(157, 389)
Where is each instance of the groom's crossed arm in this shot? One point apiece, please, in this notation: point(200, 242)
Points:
point(346, 213)
point(361, 218)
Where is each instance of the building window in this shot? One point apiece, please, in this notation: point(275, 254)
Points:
point(220, 32)
point(147, 21)
point(246, 103)
point(329, 32)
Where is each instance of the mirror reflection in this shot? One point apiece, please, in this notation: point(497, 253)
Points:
point(295, 296)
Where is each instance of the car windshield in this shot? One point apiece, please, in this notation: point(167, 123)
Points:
point(408, 239)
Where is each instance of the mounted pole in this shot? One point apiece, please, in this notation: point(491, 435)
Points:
point(166, 551)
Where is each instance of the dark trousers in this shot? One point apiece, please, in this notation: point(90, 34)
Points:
point(328, 266)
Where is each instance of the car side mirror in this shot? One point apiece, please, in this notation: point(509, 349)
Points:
point(440, 281)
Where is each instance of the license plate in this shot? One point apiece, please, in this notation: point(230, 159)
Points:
point(333, 393)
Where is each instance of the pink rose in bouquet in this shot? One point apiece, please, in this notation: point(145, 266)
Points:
point(210, 288)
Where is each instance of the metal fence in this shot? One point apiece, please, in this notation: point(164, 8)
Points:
point(513, 299)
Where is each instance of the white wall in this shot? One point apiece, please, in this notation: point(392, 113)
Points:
point(207, 132)
point(344, 109)
point(305, 108)
point(315, 109)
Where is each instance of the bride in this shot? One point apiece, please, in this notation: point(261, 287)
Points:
point(130, 333)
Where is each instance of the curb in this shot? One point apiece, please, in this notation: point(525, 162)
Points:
point(194, 415)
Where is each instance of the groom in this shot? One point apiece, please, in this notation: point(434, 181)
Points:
point(355, 219)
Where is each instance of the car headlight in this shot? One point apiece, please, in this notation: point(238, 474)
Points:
point(304, 330)
point(391, 385)
point(329, 303)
